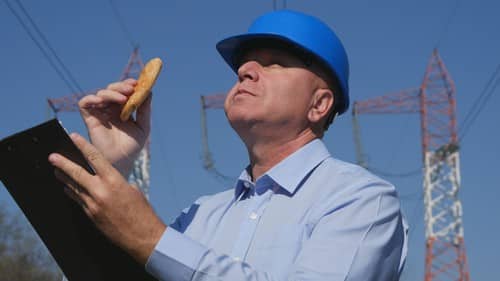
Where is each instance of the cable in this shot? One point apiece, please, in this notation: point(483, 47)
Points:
point(122, 25)
point(47, 44)
point(44, 52)
point(479, 103)
point(396, 175)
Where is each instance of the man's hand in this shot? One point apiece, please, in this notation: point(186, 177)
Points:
point(118, 209)
point(119, 141)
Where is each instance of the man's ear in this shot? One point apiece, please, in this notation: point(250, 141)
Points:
point(321, 105)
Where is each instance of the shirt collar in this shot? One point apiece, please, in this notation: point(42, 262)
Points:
point(291, 171)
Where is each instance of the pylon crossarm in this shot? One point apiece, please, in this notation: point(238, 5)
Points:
point(215, 101)
point(210, 102)
point(405, 101)
point(67, 103)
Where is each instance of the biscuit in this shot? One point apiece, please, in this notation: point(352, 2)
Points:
point(145, 82)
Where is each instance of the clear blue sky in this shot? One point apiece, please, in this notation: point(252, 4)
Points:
point(389, 44)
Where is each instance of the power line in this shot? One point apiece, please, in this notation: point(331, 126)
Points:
point(122, 25)
point(73, 87)
point(480, 102)
point(47, 44)
point(411, 173)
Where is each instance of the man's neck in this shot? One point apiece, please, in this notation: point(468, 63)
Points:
point(265, 155)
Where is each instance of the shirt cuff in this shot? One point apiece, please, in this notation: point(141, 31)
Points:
point(175, 257)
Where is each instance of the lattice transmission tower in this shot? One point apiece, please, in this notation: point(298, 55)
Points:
point(435, 101)
point(140, 172)
point(215, 101)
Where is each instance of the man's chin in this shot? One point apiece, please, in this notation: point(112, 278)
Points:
point(243, 124)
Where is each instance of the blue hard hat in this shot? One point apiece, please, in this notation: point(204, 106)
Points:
point(299, 30)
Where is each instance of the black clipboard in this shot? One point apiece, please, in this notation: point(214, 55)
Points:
point(80, 250)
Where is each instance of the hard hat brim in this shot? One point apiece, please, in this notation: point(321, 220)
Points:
point(230, 48)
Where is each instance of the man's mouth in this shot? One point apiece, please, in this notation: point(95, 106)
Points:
point(243, 92)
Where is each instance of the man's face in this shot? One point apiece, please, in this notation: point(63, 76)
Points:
point(273, 93)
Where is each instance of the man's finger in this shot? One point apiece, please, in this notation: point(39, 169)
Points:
point(72, 186)
point(126, 87)
point(94, 157)
point(88, 102)
point(70, 192)
point(78, 174)
point(84, 205)
point(109, 96)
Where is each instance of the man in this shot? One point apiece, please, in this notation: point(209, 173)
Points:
point(295, 212)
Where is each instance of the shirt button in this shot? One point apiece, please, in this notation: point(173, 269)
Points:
point(246, 184)
point(253, 216)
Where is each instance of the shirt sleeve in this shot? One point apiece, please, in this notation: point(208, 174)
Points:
point(361, 239)
point(175, 257)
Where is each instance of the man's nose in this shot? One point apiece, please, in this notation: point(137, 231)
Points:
point(249, 70)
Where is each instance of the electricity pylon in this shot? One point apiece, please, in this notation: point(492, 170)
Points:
point(215, 101)
point(435, 101)
point(140, 171)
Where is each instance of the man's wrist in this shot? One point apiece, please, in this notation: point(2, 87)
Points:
point(125, 166)
point(142, 251)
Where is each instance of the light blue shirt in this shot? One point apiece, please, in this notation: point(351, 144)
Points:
point(310, 217)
